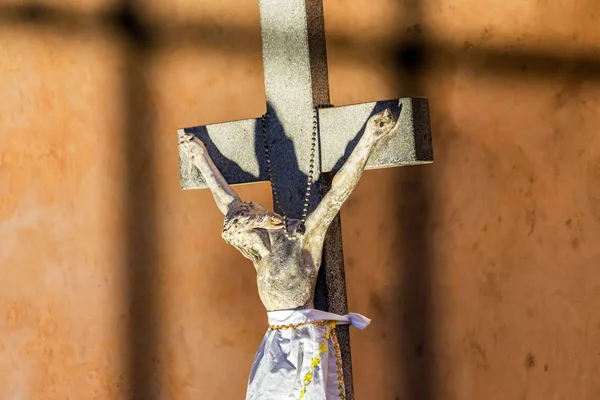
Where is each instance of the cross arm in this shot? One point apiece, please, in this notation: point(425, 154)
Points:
point(342, 127)
point(234, 147)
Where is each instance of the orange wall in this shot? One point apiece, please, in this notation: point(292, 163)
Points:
point(480, 272)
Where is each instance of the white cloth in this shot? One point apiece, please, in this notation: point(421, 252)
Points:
point(286, 355)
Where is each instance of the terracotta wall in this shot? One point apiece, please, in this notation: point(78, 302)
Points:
point(481, 272)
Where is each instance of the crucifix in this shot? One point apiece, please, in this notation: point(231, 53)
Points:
point(313, 154)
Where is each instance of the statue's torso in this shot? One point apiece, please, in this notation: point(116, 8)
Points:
point(286, 277)
point(286, 269)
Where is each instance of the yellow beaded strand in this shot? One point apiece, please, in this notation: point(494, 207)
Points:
point(338, 363)
point(296, 326)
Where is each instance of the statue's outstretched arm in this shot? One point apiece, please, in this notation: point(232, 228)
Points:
point(224, 195)
point(346, 179)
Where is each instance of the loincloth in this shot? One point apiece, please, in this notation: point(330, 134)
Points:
point(299, 357)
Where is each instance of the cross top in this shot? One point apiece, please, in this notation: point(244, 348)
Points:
point(294, 55)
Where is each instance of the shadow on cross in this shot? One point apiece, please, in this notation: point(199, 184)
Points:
point(395, 108)
point(289, 180)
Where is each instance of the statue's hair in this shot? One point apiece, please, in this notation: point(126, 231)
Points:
point(246, 216)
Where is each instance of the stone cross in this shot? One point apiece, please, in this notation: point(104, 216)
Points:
point(296, 82)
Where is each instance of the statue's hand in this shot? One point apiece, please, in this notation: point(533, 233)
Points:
point(380, 125)
point(192, 144)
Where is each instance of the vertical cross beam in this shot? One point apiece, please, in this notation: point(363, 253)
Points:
point(296, 80)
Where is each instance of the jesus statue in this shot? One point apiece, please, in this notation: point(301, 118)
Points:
point(299, 357)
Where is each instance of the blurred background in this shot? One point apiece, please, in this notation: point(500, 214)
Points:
point(481, 272)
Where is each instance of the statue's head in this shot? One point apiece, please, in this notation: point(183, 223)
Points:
point(245, 217)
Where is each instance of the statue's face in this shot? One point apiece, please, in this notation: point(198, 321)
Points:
point(381, 123)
